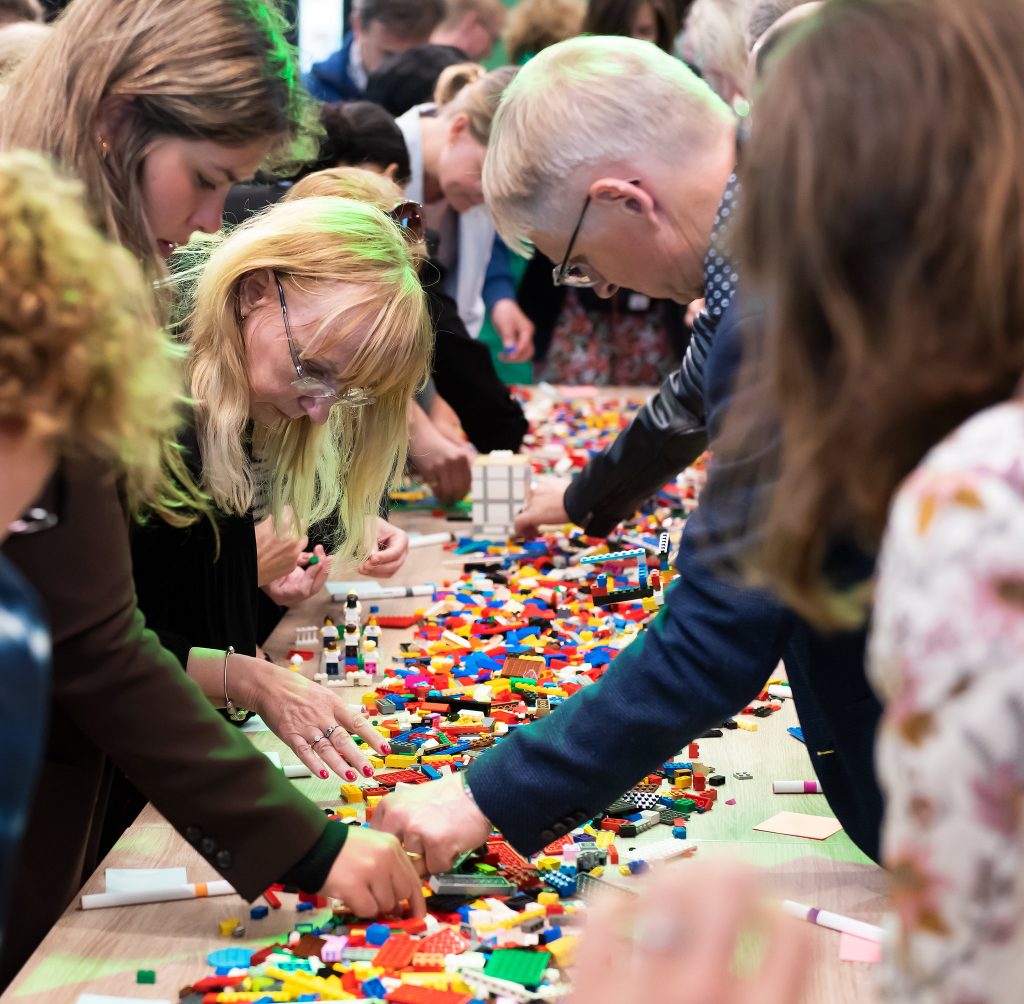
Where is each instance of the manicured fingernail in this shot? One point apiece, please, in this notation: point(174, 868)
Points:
point(324, 774)
point(367, 771)
point(350, 775)
point(385, 749)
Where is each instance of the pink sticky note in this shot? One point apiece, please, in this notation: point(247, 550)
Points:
point(854, 949)
point(800, 824)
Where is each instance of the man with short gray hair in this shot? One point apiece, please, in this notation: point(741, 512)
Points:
point(618, 164)
point(380, 28)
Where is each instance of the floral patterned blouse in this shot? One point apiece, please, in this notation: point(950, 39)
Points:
point(947, 656)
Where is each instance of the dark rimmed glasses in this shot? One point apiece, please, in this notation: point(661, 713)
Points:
point(311, 381)
point(577, 276)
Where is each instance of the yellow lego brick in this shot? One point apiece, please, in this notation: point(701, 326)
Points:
point(589, 828)
point(227, 926)
point(596, 871)
point(746, 726)
point(347, 812)
point(376, 762)
point(624, 870)
point(400, 760)
point(563, 949)
point(372, 801)
point(549, 864)
point(604, 839)
point(436, 981)
point(231, 996)
point(351, 793)
point(306, 983)
point(548, 898)
point(433, 760)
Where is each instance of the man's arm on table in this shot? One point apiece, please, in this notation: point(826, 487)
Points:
point(704, 657)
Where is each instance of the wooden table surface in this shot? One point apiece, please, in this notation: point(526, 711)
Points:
point(99, 951)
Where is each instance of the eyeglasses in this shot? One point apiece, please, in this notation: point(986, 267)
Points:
point(409, 218)
point(577, 276)
point(322, 387)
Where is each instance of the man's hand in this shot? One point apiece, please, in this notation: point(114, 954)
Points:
point(514, 329)
point(438, 820)
point(545, 507)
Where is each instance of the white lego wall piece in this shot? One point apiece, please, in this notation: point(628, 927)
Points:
point(499, 490)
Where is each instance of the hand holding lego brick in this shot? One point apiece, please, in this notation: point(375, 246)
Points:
point(316, 724)
point(546, 507)
point(682, 932)
point(372, 876)
point(278, 551)
point(514, 329)
point(437, 820)
point(302, 582)
point(392, 548)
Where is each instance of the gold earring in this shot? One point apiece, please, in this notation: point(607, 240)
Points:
point(104, 145)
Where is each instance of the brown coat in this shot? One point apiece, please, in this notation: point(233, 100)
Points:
point(117, 693)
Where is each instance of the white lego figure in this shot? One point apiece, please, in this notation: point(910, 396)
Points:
point(500, 481)
point(353, 610)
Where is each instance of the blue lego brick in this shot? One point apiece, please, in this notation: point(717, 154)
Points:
point(597, 559)
point(303, 907)
point(797, 733)
point(374, 988)
point(679, 832)
point(431, 772)
point(377, 934)
point(258, 912)
point(229, 958)
point(564, 885)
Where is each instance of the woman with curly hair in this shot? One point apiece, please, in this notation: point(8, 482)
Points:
point(158, 123)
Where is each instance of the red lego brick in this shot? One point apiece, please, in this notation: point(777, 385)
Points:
point(444, 942)
point(401, 777)
point(396, 952)
point(399, 622)
point(556, 845)
point(409, 994)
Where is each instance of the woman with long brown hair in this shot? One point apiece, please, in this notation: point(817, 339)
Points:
point(884, 228)
point(159, 106)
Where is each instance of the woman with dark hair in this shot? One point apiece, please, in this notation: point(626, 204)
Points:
point(654, 21)
point(884, 228)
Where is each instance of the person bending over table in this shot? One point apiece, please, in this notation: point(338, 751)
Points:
point(602, 144)
point(157, 145)
point(83, 371)
point(307, 335)
point(894, 360)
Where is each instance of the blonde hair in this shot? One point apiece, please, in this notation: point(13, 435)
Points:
point(478, 101)
point(583, 104)
point(218, 70)
point(454, 78)
point(359, 184)
point(81, 358)
point(18, 41)
point(341, 470)
point(533, 25)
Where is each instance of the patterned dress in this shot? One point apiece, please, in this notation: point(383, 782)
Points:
point(947, 657)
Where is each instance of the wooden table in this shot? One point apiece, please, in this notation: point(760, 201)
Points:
point(99, 951)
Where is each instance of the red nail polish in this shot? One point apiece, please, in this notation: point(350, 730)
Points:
point(350, 775)
point(385, 749)
point(324, 774)
point(367, 771)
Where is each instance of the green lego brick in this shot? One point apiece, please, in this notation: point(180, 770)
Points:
point(518, 966)
point(145, 976)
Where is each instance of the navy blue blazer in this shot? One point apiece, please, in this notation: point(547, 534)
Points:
point(706, 656)
point(329, 80)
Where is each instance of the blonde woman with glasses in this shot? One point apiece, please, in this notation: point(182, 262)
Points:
point(158, 106)
point(308, 334)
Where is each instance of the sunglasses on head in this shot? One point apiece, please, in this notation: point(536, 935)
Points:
point(408, 217)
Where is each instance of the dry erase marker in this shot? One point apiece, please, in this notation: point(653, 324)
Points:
point(834, 921)
point(384, 592)
point(193, 890)
point(427, 539)
point(796, 787)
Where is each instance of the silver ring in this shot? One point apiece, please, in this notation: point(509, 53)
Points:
point(327, 732)
point(317, 739)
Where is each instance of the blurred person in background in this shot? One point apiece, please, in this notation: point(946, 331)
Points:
point(533, 25)
point(380, 28)
point(472, 26)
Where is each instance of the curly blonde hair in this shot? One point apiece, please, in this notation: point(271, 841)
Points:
point(533, 25)
point(82, 358)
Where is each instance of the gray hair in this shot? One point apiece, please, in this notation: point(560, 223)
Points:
point(581, 105)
